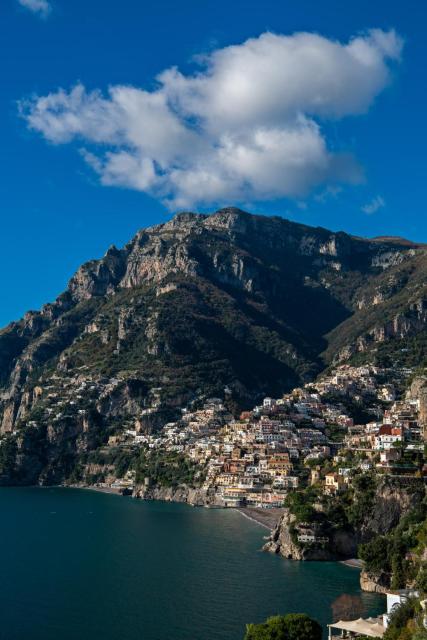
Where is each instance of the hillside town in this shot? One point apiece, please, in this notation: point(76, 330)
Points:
point(356, 417)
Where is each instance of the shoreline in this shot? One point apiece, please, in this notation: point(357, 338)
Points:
point(109, 490)
point(245, 515)
point(266, 518)
point(354, 563)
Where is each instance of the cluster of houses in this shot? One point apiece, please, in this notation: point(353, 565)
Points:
point(256, 459)
point(400, 429)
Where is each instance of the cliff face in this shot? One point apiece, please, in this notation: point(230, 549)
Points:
point(374, 583)
point(285, 543)
point(394, 497)
point(184, 310)
point(193, 496)
point(390, 313)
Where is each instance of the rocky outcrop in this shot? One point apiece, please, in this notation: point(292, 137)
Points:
point(410, 322)
point(196, 497)
point(394, 497)
point(390, 309)
point(281, 541)
point(284, 541)
point(374, 583)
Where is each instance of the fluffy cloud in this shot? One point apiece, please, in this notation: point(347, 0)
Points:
point(246, 125)
point(374, 205)
point(41, 7)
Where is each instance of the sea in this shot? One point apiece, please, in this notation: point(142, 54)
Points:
point(79, 564)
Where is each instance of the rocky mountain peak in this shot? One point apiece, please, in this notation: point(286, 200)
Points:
point(184, 220)
point(112, 251)
point(231, 219)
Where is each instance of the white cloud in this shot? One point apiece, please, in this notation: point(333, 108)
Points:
point(246, 126)
point(37, 6)
point(330, 192)
point(374, 205)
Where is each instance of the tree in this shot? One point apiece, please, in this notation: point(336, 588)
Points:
point(347, 607)
point(421, 582)
point(8, 451)
point(294, 626)
point(401, 620)
point(375, 554)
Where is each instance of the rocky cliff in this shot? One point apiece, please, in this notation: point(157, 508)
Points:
point(389, 319)
point(201, 305)
point(374, 582)
point(195, 497)
point(284, 541)
point(394, 530)
point(393, 498)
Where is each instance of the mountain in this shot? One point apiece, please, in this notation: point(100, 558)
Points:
point(229, 303)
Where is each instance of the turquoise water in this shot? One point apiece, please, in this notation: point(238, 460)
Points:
point(89, 566)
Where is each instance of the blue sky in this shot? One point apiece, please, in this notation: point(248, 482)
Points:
point(56, 213)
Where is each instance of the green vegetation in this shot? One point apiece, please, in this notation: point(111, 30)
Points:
point(293, 626)
point(114, 460)
point(396, 556)
point(300, 504)
point(167, 469)
point(335, 432)
point(399, 552)
point(328, 517)
point(344, 512)
point(355, 409)
point(8, 450)
point(375, 555)
point(402, 287)
point(406, 622)
point(363, 495)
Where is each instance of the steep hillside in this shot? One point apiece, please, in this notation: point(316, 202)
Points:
point(202, 305)
point(389, 320)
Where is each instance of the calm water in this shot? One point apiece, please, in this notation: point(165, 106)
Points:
point(89, 566)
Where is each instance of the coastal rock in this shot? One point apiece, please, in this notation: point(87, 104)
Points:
point(373, 583)
point(189, 495)
point(283, 541)
point(394, 497)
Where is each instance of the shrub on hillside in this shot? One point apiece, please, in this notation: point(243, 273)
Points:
point(294, 626)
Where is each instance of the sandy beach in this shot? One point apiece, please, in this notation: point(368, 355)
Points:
point(355, 563)
point(94, 488)
point(267, 518)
